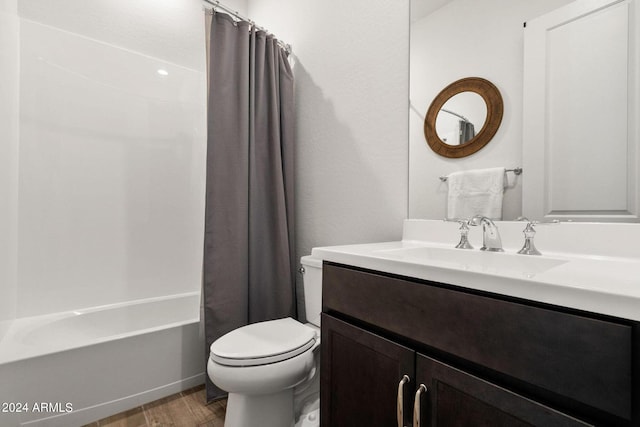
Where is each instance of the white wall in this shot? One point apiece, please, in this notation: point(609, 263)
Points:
point(468, 38)
point(111, 173)
point(351, 68)
point(9, 105)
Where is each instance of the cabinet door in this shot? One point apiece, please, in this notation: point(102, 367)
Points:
point(457, 399)
point(360, 373)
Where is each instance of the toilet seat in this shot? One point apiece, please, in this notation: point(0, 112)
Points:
point(263, 343)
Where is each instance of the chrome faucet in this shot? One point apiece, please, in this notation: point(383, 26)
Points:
point(490, 235)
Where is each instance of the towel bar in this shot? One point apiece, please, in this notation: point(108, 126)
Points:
point(516, 171)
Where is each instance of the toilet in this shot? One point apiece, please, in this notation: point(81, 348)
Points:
point(270, 369)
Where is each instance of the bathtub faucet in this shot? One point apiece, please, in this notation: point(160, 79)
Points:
point(491, 240)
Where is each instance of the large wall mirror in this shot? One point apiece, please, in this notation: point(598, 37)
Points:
point(588, 169)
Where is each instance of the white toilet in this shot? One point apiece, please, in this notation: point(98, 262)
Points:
point(263, 365)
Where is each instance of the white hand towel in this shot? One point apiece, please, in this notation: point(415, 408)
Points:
point(476, 192)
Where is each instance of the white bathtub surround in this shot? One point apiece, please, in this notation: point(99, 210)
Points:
point(102, 194)
point(9, 134)
point(101, 203)
point(110, 169)
point(111, 173)
point(101, 360)
point(587, 266)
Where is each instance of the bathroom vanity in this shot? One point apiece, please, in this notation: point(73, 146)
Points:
point(492, 341)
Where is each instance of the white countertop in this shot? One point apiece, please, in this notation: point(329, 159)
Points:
point(573, 274)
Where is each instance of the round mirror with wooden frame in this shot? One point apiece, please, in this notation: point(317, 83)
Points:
point(493, 100)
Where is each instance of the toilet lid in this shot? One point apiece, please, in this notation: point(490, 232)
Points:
point(261, 343)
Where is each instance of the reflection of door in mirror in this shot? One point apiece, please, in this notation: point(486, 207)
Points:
point(460, 118)
point(580, 139)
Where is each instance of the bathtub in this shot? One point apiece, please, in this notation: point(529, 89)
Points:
point(72, 368)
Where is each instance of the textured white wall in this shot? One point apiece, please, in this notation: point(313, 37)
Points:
point(468, 38)
point(351, 67)
point(9, 104)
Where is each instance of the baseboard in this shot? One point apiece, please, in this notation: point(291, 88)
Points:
point(90, 414)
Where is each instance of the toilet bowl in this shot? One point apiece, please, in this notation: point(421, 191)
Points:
point(262, 365)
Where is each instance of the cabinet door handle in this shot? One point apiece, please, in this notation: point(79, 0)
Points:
point(400, 412)
point(416, 405)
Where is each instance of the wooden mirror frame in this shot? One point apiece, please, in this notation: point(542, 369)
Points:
point(492, 98)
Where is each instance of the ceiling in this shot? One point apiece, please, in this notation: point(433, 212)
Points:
point(422, 8)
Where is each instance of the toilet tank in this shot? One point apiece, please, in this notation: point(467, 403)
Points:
point(312, 282)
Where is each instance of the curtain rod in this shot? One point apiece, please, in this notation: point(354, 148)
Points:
point(456, 114)
point(216, 3)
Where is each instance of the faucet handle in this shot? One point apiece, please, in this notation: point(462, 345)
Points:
point(464, 232)
point(536, 222)
point(464, 235)
point(529, 233)
point(458, 220)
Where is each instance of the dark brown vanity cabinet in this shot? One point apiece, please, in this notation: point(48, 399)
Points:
point(485, 360)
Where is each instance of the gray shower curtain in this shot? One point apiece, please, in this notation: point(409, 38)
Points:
point(249, 265)
point(467, 131)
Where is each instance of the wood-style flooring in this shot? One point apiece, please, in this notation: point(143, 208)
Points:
point(185, 409)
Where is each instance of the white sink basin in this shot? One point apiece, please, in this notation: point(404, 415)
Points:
point(474, 260)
